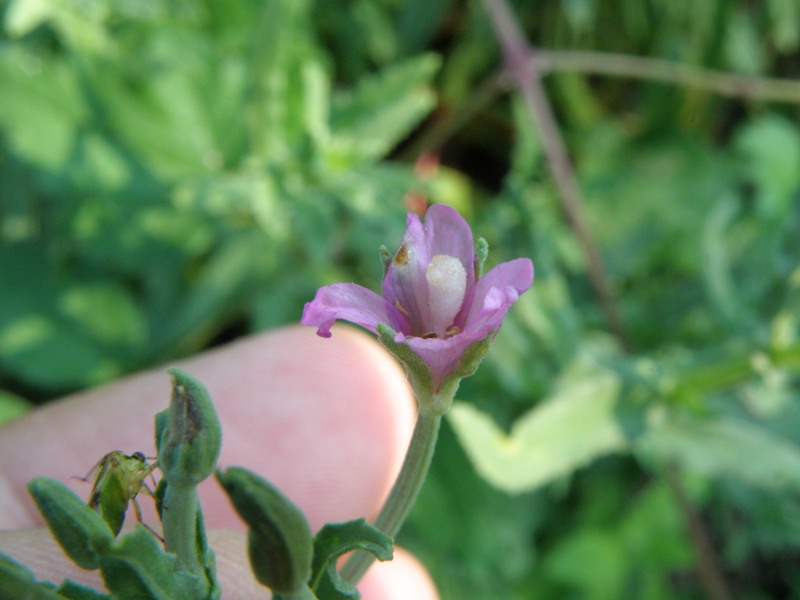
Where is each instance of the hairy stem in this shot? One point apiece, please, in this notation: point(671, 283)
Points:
point(404, 493)
point(179, 518)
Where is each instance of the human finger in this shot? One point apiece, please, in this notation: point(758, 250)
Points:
point(327, 421)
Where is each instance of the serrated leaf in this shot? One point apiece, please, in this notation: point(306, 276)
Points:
point(371, 119)
point(336, 539)
point(554, 439)
point(80, 531)
point(136, 566)
point(726, 447)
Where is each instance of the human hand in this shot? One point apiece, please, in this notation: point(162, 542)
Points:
point(327, 422)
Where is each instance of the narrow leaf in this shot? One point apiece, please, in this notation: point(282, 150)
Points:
point(17, 581)
point(279, 541)
point(79, 530)
point(77, 591)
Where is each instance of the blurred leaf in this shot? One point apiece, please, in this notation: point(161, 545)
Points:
point(12, 406)
point(726, 447)
point(742, 46)
point(24, 15)
point(61, 335)
point(562, 434)
point(367, 121)
point(717, 267)
point(770, 150)
point(418, 22)
point(39, 100)
point(784, 14)
point(591, 561)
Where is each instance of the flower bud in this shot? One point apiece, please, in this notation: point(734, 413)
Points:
point(190, 443)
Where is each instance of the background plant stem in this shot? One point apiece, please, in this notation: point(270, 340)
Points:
point(523, 66)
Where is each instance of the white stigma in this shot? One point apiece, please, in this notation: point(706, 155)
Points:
point(447, 284)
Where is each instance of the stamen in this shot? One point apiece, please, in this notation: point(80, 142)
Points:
point(447, 285)
point(401, 309)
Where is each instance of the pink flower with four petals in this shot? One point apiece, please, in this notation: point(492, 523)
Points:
point(431, 298)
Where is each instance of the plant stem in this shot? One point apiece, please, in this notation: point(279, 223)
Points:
point(656, 69)
point(523, 68)
point(179, 518)
point(404, 493)
point(709, 567)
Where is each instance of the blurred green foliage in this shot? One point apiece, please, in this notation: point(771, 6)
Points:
point(175, 173)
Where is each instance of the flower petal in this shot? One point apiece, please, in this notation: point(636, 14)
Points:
point(446, 232)
point(443, 232)
point(441, 355)
point(494, 293)
point(350, 302)
point(404, 286)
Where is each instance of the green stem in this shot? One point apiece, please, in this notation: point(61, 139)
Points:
point(519, 58)
point(640, 67)
point(179, 518)
point(404, 493)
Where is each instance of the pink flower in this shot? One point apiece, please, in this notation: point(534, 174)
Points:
point(431, 296)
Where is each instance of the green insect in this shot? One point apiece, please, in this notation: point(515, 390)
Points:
point(120, 477)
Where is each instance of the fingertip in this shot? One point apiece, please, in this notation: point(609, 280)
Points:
point(325, 420)
point(402, 578)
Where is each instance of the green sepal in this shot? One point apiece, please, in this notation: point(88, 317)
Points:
point(17, 581)
point(386, 257)
point(418, 373)
point(78, 591)
point(279, 540)
point(135, 566)
point(207, 557)
point(80, 531)
point(470, 361)
point(336, 539)
point(481, 252)
point(190, 443)
point(162, 420)
point(159, 494)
